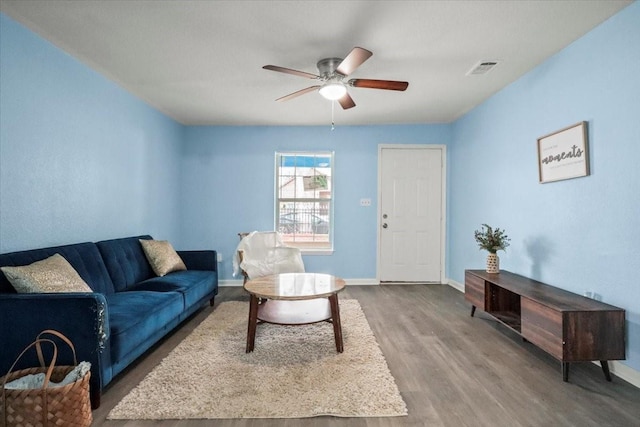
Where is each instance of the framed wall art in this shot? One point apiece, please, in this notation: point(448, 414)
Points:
point(563, 154)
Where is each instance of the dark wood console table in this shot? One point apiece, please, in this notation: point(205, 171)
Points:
point(570, 327)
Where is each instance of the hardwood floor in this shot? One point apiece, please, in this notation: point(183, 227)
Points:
point(451, 369)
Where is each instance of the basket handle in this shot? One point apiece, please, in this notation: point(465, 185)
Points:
point(37, 343)
point(62, 337)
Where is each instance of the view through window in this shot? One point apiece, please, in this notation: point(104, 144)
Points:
point(304, 204)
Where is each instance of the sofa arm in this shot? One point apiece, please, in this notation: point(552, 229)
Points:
point(82, 317)
point(200, 260)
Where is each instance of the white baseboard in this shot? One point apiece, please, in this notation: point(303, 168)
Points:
point(362, 282)
point(350, 282)
point(455, 285)
point(616, 367)
point(230, 283)
point(623, 371)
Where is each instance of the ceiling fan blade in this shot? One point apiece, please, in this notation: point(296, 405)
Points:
point(354, 59)
point(298, 93)
point(379, 84)
point(290, 71)
point(346, 101)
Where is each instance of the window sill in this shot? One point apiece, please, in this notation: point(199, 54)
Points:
point(321, 252)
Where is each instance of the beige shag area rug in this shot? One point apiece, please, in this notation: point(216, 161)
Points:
point(294, 372)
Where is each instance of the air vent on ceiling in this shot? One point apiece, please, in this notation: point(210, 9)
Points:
point(482, 67)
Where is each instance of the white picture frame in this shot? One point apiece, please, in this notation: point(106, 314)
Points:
point(563, 154)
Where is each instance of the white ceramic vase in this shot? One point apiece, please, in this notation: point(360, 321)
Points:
point(493, 263)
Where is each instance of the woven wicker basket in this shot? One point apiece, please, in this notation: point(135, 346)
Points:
point(68, 405)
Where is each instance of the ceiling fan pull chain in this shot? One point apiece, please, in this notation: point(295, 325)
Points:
point(333, 124)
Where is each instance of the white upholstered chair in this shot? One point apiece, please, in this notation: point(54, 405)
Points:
point(262, 253)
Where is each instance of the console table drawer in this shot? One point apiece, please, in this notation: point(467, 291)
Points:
point(542, 326)
point(474, 290)
point(595, 335)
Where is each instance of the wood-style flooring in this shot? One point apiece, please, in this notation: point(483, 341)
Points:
point(451, 369)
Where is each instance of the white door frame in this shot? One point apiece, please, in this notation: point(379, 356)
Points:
point(443, 213)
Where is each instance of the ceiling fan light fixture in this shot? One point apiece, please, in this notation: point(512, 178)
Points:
point(333, 91)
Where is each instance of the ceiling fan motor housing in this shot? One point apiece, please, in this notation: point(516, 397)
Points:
point(327, 67)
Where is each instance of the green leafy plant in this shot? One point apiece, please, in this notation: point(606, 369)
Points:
point(491, 239)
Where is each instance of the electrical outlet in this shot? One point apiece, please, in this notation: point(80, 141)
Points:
point(219, 257)
point(365, 202)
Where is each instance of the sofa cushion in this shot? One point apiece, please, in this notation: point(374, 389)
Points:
point(134, 316)
point(192, 284)
point(53, 274)
point(83, 257)
point(162, 257)
point(125, 261)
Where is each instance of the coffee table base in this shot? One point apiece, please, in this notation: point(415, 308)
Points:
point(303, 312)
point(301, 315)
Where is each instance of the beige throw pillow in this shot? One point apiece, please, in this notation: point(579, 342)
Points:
point(162, 257)
point(53, 274)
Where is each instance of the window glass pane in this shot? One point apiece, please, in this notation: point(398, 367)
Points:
point(304, 199)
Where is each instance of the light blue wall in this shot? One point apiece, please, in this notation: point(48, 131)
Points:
point(80, 158)
point(228, 186)
point(581, 234)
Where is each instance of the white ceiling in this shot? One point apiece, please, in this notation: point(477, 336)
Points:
point(200, 62)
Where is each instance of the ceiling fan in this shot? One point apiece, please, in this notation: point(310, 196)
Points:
point(332, 77)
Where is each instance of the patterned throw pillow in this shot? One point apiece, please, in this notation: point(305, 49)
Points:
point(53, 274)
point(162, 257)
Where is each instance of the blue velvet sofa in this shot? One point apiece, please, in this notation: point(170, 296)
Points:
point(129, 311)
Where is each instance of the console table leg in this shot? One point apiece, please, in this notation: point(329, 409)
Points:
point(565, 371)
point(473, 310)
point(605, 369)
point(253, 321)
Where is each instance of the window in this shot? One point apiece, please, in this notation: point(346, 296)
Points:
point(304, 199)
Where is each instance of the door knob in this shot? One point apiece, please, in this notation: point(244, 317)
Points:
point(384, 225)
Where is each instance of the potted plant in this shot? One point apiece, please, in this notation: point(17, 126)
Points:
point(492, 240)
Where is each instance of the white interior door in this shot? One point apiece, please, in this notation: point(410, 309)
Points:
point(411, 213)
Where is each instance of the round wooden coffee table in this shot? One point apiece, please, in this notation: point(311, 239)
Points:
point(294, 299)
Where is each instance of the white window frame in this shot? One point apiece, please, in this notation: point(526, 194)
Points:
point(308, 248)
